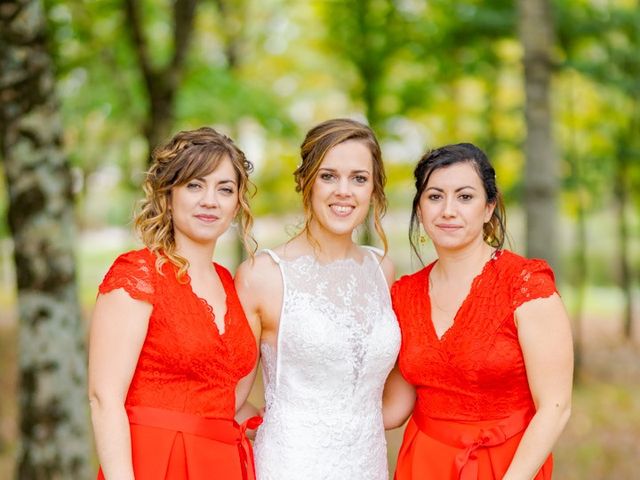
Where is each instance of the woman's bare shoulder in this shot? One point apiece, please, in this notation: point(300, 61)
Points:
point(258, 271)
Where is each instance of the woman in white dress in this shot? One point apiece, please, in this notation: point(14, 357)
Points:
point(329, 336)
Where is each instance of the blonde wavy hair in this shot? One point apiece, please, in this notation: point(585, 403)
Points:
point(317, 143)
point(189, 154)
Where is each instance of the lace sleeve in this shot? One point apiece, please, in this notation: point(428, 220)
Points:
point(535, 280)
point(405, 299)
point(134, 273)
point(397, 298)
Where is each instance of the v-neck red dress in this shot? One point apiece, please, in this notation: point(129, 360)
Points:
point(181, 401)
point(473, 399)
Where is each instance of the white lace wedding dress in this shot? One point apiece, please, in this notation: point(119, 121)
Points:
point(338, 339)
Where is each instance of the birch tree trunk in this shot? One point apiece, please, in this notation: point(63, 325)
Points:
point(541, 172)
point(53, 423)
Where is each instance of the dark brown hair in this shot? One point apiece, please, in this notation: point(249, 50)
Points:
point(494, 230)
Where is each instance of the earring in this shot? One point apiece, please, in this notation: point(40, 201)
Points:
point(423, 239)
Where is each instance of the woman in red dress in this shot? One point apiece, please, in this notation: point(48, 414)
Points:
point(169, 341)
point(486, 350)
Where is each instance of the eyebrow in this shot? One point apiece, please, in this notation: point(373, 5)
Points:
point(456, 190)
point(333, 170)
point(226, 180)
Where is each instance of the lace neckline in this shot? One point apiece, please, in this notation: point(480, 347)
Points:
point(338, 263)
point(223, 328)
point(450, 330)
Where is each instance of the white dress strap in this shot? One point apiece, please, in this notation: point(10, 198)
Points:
point(377, 254)
point(278, 261)
point(274, 256)
point(375, 250)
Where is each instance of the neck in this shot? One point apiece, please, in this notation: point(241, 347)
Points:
point(199, 255)
point(467, 262)
point(328, 246)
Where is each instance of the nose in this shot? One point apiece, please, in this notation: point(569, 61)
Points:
point(343, 188)
point(209, 198)
point(449, 209)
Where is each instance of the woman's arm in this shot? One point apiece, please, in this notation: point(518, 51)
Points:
point(399, 396)
point(389, 270)
point(118, 329)
point(545, 338)
point(398, 400)
point(249, 290)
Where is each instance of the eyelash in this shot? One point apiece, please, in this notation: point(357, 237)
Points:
point(465, 197)
point(359, 179)
point(225, 190)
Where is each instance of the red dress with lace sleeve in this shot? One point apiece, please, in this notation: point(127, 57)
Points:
point(181, 400)
point(473, 399)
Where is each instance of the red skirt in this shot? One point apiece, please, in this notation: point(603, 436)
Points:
point(174, 445)
point(447, 450)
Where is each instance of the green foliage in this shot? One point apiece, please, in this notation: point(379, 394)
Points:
point(212, 94)
point(422, 73)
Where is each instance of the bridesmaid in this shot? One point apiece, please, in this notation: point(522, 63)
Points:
point(169, 341)
point(486, 341)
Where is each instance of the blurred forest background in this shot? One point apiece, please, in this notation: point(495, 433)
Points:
point(550, 89)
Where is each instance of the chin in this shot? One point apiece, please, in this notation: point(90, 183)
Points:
point(451, 245)
point(207, 238)
point(338, 230)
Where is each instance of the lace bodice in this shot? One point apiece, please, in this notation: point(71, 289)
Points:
point(185, 364)
point(476, 371)
point(337, 341)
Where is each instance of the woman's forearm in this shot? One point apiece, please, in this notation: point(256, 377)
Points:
point(538, 441)
point(398, 400)
point(113, 439)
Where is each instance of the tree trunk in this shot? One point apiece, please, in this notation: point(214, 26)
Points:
point(369, 68)
point(231, 14)
point(621, 200)
point(541, 172)
point(581, 283)
point(161, 83)
point(580, 274)
point(54, 438)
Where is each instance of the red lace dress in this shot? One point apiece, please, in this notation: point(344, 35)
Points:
point(181, 401)
point(473, 399)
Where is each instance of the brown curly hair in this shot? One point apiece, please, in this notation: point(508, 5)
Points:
point(188, 155)
point(317, 143)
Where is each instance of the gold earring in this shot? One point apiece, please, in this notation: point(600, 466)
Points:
point(423, 239)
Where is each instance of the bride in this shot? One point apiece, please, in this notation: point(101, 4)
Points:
point(329, 336)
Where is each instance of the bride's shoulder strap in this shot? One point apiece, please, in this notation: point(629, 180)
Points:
point(274, 256)
point(375, 251)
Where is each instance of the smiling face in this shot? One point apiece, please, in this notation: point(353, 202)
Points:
point(341, 192)
point(203, 208)
point(453, 207)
